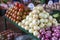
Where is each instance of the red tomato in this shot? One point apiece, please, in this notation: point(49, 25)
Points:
point(17, 4)
point(21, 6)
point(21, 10)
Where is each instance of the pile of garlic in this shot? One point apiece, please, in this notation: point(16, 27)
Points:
point(36, 20)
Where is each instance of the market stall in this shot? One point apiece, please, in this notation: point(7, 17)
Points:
point(40, 22)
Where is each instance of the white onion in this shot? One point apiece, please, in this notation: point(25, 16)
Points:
point(42, 20)
point(27, 17)
point(35, 12)
point(35, 33)
point(26, 23)
point(49, 24)
point(30, 19)
point(45, 16)
point(34, 21)
point(31, 25)
point(31, 30)
point(23, 26)
point(46, 20)
point(36, 27)
point(42, 25)
point(19, 24)
point(41, 15)
point(35, 16)
point(50, 18)
point(27, 28)
point(23, 21)
point(38, 21)
point(31, 14)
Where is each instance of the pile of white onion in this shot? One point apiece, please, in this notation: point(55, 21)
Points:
point(36, 20)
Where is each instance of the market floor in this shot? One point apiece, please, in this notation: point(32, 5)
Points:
point(9, 26)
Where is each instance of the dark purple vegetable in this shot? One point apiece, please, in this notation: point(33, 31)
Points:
point(48, 28)
point(39, 36)
point(56, 34)
point(43, 38)
point(48, 34)
point(56, 30)
point(54, 38)
point(42, 31)
point(58, 27)
point(46, 39)
point(53, 28)
point(59, 38)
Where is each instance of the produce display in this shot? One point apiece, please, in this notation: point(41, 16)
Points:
point(56, 14)
point(36, 20)
point(17, 13)
point(50, 33)
point(9, 35)
point(55, 6)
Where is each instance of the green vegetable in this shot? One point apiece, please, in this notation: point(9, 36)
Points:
point(5, 1)
point(42, 1)
point(55, 15)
